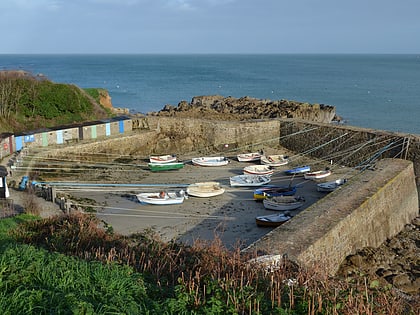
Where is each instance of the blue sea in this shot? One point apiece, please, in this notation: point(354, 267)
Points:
point(372, 91)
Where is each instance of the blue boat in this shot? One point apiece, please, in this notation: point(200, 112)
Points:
point(273, 191)
point(298, 170)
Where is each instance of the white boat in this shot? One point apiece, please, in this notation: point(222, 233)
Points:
point(210, 161)
point(274, 160)
point(249, 157)
point(283, 203)
point(161, 198)
point(272, 220)
point(330, 186)
point(162, 159)
point(258, 170)
point(205, 189)
point(317, 174)
point(249, 180)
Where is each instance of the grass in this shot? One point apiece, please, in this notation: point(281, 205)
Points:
point(36, 281)
point(70, 265)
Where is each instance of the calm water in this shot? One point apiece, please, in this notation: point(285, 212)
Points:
point(373, 91)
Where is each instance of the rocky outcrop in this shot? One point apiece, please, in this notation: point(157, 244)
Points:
point(245, 108)
point(105, 101)
point(392, 262)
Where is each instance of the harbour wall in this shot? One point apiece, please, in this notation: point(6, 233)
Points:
point(371, 207)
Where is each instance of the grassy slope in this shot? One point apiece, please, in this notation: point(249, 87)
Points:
point(35, 281)
point(28, 103)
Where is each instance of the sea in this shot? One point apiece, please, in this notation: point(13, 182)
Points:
point(368, 90)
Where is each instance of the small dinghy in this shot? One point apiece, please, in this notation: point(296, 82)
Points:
point(249, 180)
point(210, 161)
point(162, 158)
point(298, 170)
point(317, 174)
point(272, 220)
point(273, 191)
point(274, 160)
point(258, 170)
point(283, 203)
point(249, 157)
point(159, 167)
point(330, 186)
point(162, 198)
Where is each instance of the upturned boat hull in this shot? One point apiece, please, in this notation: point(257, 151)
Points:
point(205, 189)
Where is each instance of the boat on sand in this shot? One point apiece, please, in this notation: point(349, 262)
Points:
point(249, 157)
point(317, 174)
point(283, 203)
point(272, 220)
point(274, 160)
point(298, 170)
point(249, 180)
point(162, 198)
point(258, 170)
point(205, 189)
point(331, 185)
point(158, 167)
point(162, 158)
point(210, 161)
point(273, 191)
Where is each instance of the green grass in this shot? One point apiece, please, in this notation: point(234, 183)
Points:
point(106, 273)
point(35, 281)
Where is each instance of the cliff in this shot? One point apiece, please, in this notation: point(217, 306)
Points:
point(245, 108)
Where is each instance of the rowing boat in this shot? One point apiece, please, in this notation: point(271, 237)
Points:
point(272, 220)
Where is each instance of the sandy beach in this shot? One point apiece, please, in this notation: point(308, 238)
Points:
point(230, 216)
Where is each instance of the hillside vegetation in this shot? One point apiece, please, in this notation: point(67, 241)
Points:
point(29, 102)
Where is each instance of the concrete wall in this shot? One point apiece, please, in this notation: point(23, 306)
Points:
point(372, 207)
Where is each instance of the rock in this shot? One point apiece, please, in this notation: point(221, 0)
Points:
point(244, 108)
point(395, 261)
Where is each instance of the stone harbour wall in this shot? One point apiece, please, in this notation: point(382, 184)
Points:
point(348, 145)
point(371, 208)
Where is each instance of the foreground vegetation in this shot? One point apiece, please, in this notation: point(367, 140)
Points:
point(74, 264)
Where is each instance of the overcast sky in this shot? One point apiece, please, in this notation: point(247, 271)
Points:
point(209, 26)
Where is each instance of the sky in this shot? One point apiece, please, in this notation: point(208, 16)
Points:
point(209, 26)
